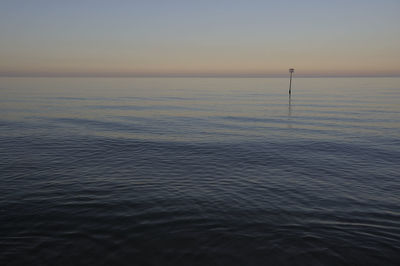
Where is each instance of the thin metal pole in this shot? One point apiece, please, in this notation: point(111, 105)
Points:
point(291, 70)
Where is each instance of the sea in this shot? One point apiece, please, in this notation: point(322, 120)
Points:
point(199, 171)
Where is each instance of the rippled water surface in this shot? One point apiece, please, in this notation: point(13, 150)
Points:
point(182, 171)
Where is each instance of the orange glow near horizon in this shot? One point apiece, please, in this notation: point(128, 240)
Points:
point(200, 39)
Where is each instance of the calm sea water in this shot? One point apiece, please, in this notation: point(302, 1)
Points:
point(182, 171)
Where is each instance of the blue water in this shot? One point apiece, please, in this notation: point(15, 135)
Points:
point(182, 171)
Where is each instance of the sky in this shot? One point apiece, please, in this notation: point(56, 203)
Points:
point(199, 38)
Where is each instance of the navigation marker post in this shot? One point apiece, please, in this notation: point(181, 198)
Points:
point(291, 70)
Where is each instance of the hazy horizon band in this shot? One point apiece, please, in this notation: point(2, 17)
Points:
point(190, 75)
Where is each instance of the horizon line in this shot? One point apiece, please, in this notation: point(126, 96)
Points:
point(187, 75)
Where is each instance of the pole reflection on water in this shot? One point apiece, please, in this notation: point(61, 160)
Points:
point(290, 112)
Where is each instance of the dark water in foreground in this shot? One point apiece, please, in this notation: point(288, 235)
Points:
point(199, 172)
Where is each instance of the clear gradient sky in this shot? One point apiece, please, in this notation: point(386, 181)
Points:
point(210, 38)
